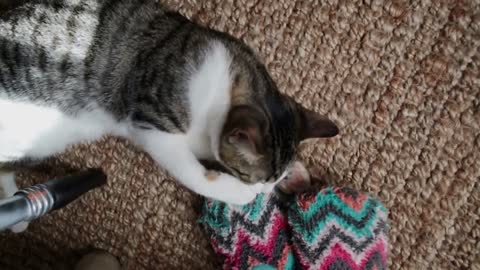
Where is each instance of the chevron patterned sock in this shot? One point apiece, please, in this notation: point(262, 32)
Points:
point(334, 229)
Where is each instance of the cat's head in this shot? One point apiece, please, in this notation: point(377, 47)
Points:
point(264, 128)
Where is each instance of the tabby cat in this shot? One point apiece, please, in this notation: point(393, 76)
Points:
point(75, 70)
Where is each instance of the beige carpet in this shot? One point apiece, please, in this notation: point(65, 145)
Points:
point(401, 78)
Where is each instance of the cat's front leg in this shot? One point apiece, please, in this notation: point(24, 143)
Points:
point(172, 152)
point(229, 189)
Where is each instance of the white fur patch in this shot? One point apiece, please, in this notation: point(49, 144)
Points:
point(28, 130)
point(209, 95)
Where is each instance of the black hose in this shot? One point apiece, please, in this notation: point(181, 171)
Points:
point(66, 189)
point(33, 202)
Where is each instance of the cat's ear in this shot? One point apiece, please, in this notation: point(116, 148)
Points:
point(243, 129)
point(314, 125)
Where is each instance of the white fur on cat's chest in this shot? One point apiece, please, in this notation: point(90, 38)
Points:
point(209, 96)
point(29, 130)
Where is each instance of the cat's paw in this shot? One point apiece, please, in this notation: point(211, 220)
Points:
point(297, 180)
point(268, 188)
point(241, 198)
point(257, 187)
point(8, 187)
point(233, 191)
point(19, 227)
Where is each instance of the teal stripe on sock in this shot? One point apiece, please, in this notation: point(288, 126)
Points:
point(254, 209)
point(263, 267)
point(290, 265)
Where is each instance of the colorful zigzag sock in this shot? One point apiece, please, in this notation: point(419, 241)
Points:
point(335, 229)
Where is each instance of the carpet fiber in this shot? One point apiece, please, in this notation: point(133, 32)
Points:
point(401, 79)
